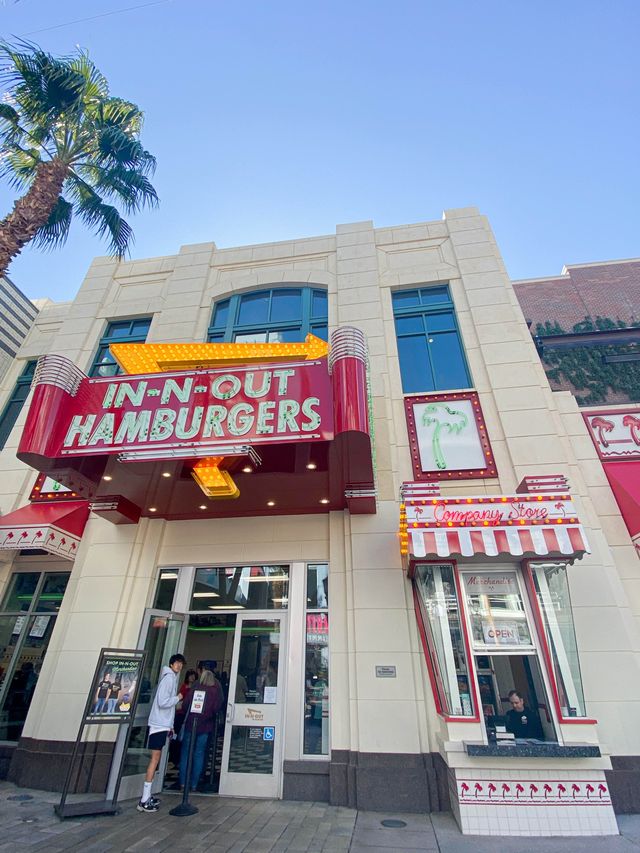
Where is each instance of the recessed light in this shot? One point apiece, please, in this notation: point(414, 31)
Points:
point(108, 478)
point(153, 509)
point(166, 474)
point(311, 466)
point(271, 503)
point(247, 469)
point(324, 500)
point(203, 506)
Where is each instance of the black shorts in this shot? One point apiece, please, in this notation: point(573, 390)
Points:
point(157, 740)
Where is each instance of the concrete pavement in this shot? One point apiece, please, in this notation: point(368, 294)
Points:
point(233, 825)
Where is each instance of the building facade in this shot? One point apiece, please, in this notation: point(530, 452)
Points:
point(17, 314)
point(334, 470)
point(586, 323)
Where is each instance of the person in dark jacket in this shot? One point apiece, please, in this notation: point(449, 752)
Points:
point(522, 721)
point(213, 701)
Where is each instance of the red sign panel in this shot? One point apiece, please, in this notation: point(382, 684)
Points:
point(182, 414)
point(615, 433)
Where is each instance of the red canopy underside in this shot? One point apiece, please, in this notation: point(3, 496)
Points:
point(624, 479)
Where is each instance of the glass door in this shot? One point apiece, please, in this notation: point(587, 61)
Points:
point(162, 635)
point(251, 756)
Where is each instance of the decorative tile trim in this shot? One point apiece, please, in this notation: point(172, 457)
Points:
point(533, 792)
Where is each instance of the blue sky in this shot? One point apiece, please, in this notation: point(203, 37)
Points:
point(273, 120)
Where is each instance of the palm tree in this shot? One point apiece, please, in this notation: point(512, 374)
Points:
point(72, 147)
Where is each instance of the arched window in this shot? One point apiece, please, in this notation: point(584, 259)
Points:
point(278, 315)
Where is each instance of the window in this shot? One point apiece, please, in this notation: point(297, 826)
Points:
point(496, 611)
point(27, 619)
point(316, 676)
point(429, 346)
point(118, 332)
point(16, 402)
point(552, 590)
point(439, 618)
point(241, 588)
point(165, 590)
point(280, 315)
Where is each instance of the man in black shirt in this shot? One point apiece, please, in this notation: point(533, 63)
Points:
point(522, 721)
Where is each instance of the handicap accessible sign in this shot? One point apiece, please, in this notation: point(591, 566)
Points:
point(269, 733)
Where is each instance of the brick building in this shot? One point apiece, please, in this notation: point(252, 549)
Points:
point(587, 327)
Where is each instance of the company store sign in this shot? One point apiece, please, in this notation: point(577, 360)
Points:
point(183, 413)
point(498, 511)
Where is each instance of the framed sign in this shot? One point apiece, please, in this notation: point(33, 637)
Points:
point(47, 489)
point(114, 688)
point(615, 432)
point(448, 437)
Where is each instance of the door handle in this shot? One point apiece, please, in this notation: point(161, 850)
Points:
point(230, 713)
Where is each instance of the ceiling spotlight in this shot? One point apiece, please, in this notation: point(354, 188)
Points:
point(271, 503)
point(108, 478)
point(324, 500)
point(311, 466)
point(203, 506)
point(153, 509)
point(247, 469)
point(166, 474)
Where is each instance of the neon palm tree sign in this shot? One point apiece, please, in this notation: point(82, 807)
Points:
point(448, 437)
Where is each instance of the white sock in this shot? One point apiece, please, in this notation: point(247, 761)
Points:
point(146, 792)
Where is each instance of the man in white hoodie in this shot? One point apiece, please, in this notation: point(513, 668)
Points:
point(163, 710)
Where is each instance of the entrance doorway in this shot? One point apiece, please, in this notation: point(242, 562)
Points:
point(243, 642)
point(244, 652)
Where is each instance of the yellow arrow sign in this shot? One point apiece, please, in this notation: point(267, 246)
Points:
point(160, 358)
point(214, 482)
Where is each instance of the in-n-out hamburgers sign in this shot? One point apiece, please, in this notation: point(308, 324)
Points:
point(164, 412)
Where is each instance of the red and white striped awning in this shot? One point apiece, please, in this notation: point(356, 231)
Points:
point(540, 541)
point(53, 527)
point(530, 523)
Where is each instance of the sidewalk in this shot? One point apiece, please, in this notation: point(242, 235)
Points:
point(225, 825)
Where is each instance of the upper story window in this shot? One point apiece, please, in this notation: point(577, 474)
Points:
point(118, 332)
point(16, 401)
point(280, 315)
point(429, 347)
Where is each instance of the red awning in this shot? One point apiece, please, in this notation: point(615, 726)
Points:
point(566, 540)
point(624, 479)
point(53, 527)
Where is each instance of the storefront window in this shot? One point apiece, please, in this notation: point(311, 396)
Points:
point(439, 612)
point(165, 590)
point(29, 614)
point(21, 591)
point(552, 589)
point(240, 588)
point(316, 679)
point(496, 610)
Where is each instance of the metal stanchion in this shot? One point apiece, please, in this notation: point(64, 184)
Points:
point(185, 808)
point(211, 786)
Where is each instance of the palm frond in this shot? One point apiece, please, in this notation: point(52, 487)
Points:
point(19, 166)
point(96, 87)
point(10, 129)
point(102, 218)
point(118, 148)
point(126, 186)
point(55, 231)
point(116, 112)
point(44, 86)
